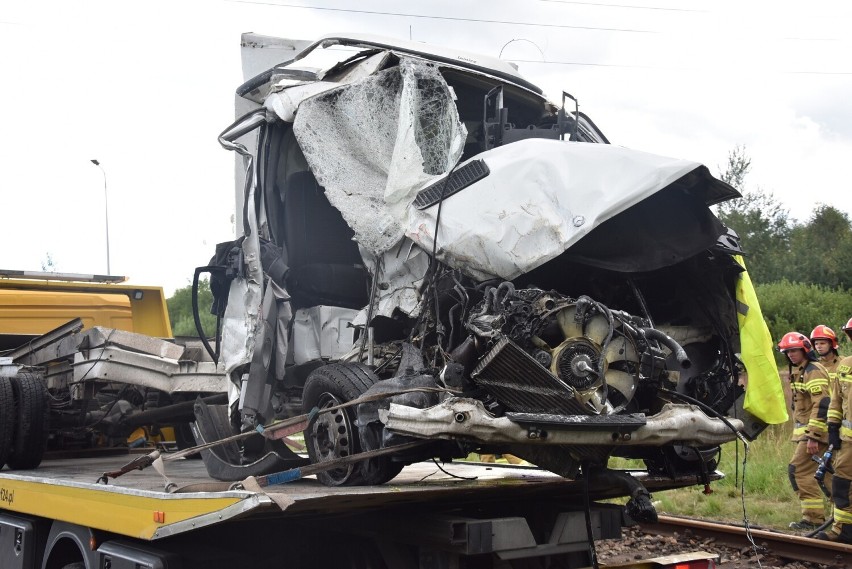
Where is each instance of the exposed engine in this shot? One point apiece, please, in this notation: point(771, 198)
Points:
point(575, 355)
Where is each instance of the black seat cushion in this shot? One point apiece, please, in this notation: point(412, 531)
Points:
point(325, 265)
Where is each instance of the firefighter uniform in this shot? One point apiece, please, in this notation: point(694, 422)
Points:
point(840, 428)
point(809, 385)
point(830, 361)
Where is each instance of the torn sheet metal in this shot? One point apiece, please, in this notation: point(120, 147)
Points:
point(540, 197)
point(113, 363)
point(401, 273)
point(285, 102)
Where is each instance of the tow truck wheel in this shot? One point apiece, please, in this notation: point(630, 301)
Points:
point(7, 419)
point(334, 435)
point(33, 415)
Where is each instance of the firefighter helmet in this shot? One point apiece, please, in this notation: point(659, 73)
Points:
point(848, 328)
point(823, 332)
point(796, 340)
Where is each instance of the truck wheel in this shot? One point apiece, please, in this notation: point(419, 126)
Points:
point(7, 419)
point(33, 416)
point(334, 435)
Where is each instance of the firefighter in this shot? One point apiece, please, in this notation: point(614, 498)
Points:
point(810, 398)
point(824, 341)
point(840, 438)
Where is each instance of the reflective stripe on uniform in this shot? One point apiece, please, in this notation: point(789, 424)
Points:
point(835, 414)
point(842, 517)
point(799, 431)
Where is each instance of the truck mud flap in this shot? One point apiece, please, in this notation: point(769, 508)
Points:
point(227, 462)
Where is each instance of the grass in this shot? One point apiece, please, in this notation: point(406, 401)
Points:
point(769, 500)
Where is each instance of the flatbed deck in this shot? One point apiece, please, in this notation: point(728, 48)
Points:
point(136, 504)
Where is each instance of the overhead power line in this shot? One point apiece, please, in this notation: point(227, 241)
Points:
point(450, 18)
point(512, 22)
point(663, 68)
point(630, 6)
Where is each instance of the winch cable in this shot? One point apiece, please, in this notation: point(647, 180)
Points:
point(707, 408)
point(754, 547)
point(430, 280)
point(374, 288)
point(300, 472)
point(587, 510)
point(295, 424)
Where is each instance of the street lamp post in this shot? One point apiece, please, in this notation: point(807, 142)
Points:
point(106, 211)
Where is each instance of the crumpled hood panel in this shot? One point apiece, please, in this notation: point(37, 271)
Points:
point(540, 198)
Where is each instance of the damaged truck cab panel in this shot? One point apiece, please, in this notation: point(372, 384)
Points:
point(434, 252)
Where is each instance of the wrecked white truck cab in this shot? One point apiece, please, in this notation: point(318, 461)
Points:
point(481, 270)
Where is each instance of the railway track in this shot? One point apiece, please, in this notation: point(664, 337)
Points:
point(777, 544)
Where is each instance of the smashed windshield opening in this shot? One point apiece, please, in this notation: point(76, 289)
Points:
point(407, 114)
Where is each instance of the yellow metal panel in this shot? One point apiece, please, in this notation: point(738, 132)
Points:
point(148, 308)
point(129, 514)
point(35, 312)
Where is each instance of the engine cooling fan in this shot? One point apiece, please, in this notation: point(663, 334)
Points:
point(596, 360)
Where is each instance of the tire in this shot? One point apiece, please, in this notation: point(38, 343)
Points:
point(7, 419)
point(33, 417)
point(334, 435)
point(380, 470)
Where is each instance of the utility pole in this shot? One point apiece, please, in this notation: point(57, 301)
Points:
point(106, 211)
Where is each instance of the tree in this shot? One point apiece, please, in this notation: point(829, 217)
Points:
point(180, 310)
point(759, 219)
point(738, 166)
point(821, 249)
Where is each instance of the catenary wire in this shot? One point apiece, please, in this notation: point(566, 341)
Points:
point(451, 18)
point(627, 6)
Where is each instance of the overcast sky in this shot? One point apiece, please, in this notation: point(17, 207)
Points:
point(145, 87)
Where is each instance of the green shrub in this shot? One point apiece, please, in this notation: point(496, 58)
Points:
point(180, 310)
point(790, 306)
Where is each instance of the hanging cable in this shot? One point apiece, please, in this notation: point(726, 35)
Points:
point(587, 510)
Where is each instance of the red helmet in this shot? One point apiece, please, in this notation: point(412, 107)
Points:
point(795, 340)
point(823, 332)
point(848, 328)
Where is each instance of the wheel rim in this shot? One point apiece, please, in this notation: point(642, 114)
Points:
point(332, 438)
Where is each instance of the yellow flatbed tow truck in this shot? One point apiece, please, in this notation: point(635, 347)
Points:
point(457, 515)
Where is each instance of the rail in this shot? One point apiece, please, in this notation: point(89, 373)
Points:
point(792, 547)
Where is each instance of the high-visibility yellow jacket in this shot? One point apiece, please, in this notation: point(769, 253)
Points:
point(764, 397)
